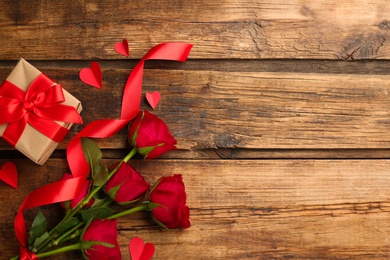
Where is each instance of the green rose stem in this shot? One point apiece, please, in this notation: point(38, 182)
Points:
point(68, 235)
point(107, 202)
point(56, 251)
point(60, 250)
point(54, 233)
point(129, 211)
point(75, 232)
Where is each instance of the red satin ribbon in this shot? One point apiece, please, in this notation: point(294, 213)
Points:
point(104, 128)
point(26, 255)
point(39, 106)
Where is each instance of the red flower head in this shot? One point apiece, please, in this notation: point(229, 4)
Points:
point(83, 193)
point(126, 185)
point(150, 135)
point(170, 194)
point(104, 231)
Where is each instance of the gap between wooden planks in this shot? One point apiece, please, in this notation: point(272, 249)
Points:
point(246, 209)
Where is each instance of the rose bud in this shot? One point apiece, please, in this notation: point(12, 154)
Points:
point(99, 240)
point(83, 193)
point(127, 185)
point(170, 194)
point(150, 135)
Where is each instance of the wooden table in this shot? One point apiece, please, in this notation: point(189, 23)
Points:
point(281, 116)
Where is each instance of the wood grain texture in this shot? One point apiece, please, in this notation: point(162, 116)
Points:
point(254, 110)
point(225, 29)
point(281, 113)
point(250, 209)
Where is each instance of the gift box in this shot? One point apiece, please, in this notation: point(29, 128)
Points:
point(35, 112)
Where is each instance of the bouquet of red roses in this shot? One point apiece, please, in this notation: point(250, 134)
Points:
point(88, 194)
point(89, 223)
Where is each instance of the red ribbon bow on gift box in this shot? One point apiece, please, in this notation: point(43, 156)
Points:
point(39, 106)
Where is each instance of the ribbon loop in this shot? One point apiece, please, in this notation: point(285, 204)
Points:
point(39, 107)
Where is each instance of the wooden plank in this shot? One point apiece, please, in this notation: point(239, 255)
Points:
point(235, 29)
point(229, 153)
point(371, 67)
point(212, 109)
point(250, 209)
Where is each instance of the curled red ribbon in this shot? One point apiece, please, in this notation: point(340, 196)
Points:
point(26, 255)
point(39, 107)
point(104, 128)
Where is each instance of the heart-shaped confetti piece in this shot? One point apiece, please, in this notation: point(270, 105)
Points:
point(139, 250)
point(153, 98)
point(9, 174)
point(122, 48)
point(92, 76)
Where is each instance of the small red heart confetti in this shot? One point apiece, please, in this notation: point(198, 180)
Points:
point(92, 76)
point(153, 98)
point(122, 48)
point(9, 174)
point(139, 250)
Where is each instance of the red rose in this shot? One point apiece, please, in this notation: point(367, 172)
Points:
point(170, 194)
point(102, 231)
point(126, 185)
point(83, 193)
point(150, 135)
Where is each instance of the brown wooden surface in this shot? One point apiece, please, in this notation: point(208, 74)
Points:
point(283, 139)
point(355, 29)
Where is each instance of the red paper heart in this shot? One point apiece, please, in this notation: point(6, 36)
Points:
point(9, 174)
point(139, 250)
point(122, 48)
point(92, 76)
point(153, 98)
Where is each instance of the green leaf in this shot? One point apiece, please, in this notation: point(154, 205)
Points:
point(40, 239)
point(68, 224)
point(85, 257)
point(152, 205)
point(92, 213)
point(100, 175)
point(85, 228)
point(146, 150)
point(86, 244)
point(155, 185)
point(92, 153)
point(112, 192)
point(38, 228)
point(159, 223)
point(134, 138)
point(98, 201)
point(67, 205)
point(135, 135)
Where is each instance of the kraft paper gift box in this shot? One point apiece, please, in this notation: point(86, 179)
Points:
point(32, 142)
